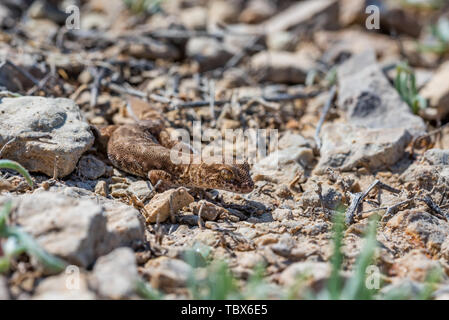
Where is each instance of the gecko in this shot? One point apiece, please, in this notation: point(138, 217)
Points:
point(143, 149)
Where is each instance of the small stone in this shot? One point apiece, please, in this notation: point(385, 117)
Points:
point(140, 189)
point(159, 206)
point(281, 66)
point(65, 286)
point(101, 188)
point(282, 214)
point(91, 168)
point(124, 227)
point(194, 18)
point(210, 211)
point(115, 275)
point(208, 52)
point(281, 41)
point(152, 49)
point(168, 273)
point(56, 120)
point(347, 147)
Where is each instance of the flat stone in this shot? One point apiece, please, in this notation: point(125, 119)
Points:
point(115, 275)
point(168, 273)
point(159, 206)
point(369, 100)
point(90, 167)
point(124, 226)
point(67, 134)
point(281, 66)
point(347, 147)
point(77, 230)
point(210, 210)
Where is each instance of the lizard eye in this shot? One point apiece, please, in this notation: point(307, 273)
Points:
point(226, 174)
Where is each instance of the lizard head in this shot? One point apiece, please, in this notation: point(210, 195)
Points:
point(234, 178)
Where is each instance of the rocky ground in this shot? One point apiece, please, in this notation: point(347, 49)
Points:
point(357, 135)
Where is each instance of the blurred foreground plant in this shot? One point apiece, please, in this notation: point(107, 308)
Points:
point(16, 240)
point(405, 83)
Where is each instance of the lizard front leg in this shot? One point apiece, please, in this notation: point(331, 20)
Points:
point(162, 179)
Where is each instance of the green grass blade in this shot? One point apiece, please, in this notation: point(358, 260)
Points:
point(9, 164)
point(50, 262)
point(335, 280)
point(355, 288)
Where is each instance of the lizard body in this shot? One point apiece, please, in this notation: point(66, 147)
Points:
point(143, 149)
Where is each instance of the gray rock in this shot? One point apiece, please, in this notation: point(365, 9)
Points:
point(65, 134)
point(208, 52)
point(347, 147)
point(168, 273)
point(123, 225)
point(90, 167)
point(437, 157)
point(67, 227)
point(368, 98)
point(140, 189)
point(4, 292)
point(66, 286)
point(115, 275)
point(77, 230)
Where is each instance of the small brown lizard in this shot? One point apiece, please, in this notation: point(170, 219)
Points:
point(143, 149)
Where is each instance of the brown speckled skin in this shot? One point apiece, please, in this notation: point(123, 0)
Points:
point(144, 150)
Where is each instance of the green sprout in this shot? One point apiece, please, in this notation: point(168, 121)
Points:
point(405, 83)
point(18, 242)
point(9, 164)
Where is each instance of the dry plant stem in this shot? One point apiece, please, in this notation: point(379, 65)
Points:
point(357, 198)
point(323, 116)
point(434, 207)
point(200, 218)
